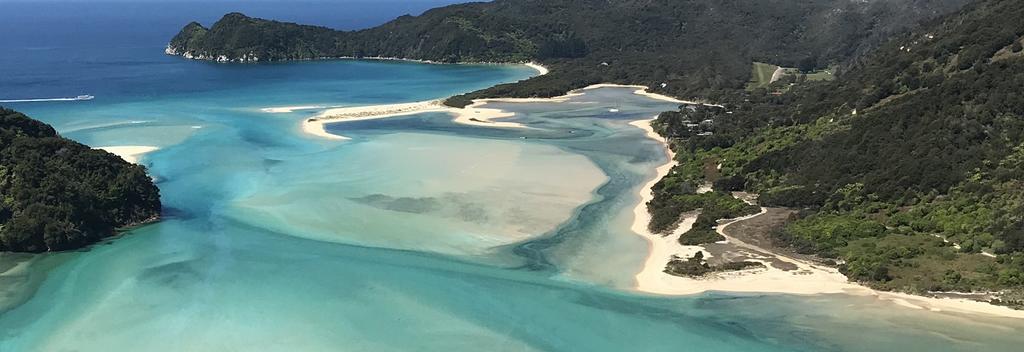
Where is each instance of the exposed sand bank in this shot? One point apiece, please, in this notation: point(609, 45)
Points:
point(130, 153)
point(803, 278)
point(287, 109)
point(356, 113)
point(316, 128)
point(473, 114)
point(470, 115)
point(316, 125)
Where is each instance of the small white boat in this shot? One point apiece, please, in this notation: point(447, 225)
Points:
point(84, 97)
point(613, 110)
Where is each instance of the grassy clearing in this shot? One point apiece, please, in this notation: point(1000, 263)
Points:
point(822, 75)
point(761, 75)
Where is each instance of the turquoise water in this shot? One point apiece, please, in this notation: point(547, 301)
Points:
point(274, 240)
point(416, 234)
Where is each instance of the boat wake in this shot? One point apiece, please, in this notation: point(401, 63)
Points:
point(78, 98)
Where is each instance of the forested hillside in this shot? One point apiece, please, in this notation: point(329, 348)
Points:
point(58, 194)
point(909, 167)
point(685, 48)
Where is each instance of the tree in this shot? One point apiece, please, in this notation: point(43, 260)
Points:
point(808, 64)
point(59, 194)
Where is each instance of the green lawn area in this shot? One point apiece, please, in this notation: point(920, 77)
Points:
point(761, 76)
point(822, 75)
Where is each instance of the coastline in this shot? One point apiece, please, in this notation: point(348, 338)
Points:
point(168, 50)
point(472, 114)
point(541, 70)
point(807, 279)
point(130, 153)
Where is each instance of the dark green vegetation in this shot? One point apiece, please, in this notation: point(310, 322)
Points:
point(696, 266)
point(671, 201)
point(58, 194)
point(909, 166)
point(684, 48)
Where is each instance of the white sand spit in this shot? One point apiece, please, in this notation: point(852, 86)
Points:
point(287, 109)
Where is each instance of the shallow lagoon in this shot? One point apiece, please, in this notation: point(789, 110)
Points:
point(274, 240)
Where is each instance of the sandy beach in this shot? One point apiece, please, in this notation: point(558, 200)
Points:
point(130, 153)
point(806, 279)
point(541, 70)
point(653, 279)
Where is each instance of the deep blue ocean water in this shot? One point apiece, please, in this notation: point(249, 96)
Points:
point(416, 234)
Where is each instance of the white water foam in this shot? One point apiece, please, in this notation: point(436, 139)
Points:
point(79, 98)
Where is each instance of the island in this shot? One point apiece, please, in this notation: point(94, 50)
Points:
point(59, 194)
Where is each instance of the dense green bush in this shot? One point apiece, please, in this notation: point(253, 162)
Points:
point(919, 143)
point(59, 194)
point(826, 233)
point(694, 48)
